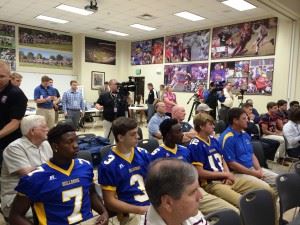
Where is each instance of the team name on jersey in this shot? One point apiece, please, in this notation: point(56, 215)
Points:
point(212, 150)
point(69, 182)
point(134, 169)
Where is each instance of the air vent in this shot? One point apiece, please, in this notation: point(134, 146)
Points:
point(146, 16)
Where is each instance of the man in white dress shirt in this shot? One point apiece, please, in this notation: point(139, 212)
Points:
point(176, 200)
point(291, 131)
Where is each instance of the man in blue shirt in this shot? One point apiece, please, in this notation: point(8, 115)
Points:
point(73, 105)
point(44, 95)
point(238, 150)
point(156, 120)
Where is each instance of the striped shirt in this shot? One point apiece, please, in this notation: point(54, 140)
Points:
point(72, 100)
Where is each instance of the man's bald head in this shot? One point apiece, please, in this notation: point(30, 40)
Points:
point(178, 113)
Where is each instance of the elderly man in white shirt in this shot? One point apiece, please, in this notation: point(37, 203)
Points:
point(22, 156)
point(291, 131)
point(175, 204)
point(227, 104)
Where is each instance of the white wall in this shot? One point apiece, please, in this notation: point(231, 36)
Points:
point(280, 79)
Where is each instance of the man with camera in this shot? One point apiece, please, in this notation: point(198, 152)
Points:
point(114, 105)
point(227, 104)
point(212, 95)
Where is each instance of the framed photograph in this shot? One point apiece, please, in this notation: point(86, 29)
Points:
point(97, 80)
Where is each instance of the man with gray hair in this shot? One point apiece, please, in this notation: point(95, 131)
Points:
point(176, 200)
point(22, 156)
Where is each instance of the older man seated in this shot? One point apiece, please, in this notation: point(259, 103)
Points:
point(22, 156)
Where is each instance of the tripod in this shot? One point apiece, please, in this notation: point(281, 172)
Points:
point(195, 104)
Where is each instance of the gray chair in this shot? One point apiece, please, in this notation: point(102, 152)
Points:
point(220, 126)
point(286, 156)
point(104, 151)
point(259, 153)
point(148, 144)
point(85, 155)
point(288, 186)
point(257, 208)
point(224, 217)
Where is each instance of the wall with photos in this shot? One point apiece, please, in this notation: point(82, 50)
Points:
point(155, 73)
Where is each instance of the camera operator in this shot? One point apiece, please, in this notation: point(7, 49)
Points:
point(227, 104)
point(211, 96)
point(114, 105)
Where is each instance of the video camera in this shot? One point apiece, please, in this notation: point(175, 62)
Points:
point(242, 93)
point(126, 86)
point(219, 85)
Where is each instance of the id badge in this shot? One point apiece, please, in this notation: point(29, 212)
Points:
point(115, 109)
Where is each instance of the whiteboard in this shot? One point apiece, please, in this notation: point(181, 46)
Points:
point(31, 80)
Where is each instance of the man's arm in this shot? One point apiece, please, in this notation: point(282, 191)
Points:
point(237, 167)
point(115, 205)
point(97, 205)
point(212, 175)
point(264, 128)
point(9, 128)
point(19, 208)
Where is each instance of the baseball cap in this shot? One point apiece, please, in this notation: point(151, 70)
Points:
point(203, 107)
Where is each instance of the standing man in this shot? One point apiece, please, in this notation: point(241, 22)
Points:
point(152, 96)
point(227, 104)
point(114, 105)
point(13, 104)
point(44, 95)
point(22, 156)
point(211, 96)
point(55, 102)
point(176, 203)
point(73, 105)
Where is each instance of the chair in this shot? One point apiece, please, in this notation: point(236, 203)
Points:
point(297, 167)
point(259, 153)
point(257, 208)
point(104, 151)
point(220, 126)
point(140, 133)
point(288, 186)
point(85, 155)
point(148, 144)
point(224, 217)
point(286, 156)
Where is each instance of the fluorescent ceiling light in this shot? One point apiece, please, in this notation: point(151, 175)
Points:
point(142, 27)
point(240, 5)
point(189, 16)
point(74, 10)
point(116, 33)
point(51, 19)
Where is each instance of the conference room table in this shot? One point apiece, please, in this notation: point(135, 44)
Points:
point(134, 110)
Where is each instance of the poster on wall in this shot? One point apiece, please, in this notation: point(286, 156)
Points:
point(254, 38)
point(43, 39)
point(147, 52)
point(261, 77)
point(7, 45)
point(100, 51)
point(186, 77)
point(193, 46)
point(45, 59)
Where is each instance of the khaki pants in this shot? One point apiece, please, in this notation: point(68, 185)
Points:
point(49, 115)
point(210, 203)
point(107, 131)
point(132, 219)
point(232, 193)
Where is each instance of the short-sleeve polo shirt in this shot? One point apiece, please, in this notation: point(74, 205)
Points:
point(41, 92)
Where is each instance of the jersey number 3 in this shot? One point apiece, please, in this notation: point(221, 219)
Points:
point(136, 178)
point(77, 194)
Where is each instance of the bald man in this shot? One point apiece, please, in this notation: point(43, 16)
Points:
point(178, 113)
point(13, 104)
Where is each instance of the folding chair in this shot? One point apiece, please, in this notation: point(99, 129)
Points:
point(104, 151)
point(148, 144)
point(259, 153)
point(224, 217)
point(220, 126)
point(287, 157)
point(288, 186)
point(297, 167)
point(85, 155)
point(257, 208)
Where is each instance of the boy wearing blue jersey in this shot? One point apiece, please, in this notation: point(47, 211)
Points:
point(122, 173)
point(61, 191)
point(207, 156)
point(172, 135)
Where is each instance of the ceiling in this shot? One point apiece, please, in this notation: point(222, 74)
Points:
point(119, 14)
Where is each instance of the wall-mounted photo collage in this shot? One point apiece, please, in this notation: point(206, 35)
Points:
point(45, 49)
point(147, 52)
point(187, 47)
point(100, 51)
point(249, 39)
point(186, 77)
point(7, 45)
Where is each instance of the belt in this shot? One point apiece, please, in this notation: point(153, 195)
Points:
point(44, 108)
point(73, 109)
